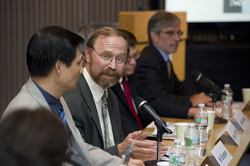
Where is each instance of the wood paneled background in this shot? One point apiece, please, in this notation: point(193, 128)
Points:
point(20, 19)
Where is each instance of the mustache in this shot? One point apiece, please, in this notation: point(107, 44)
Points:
point(175, 43)
point(109, 71)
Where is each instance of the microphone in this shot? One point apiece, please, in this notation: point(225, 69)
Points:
point(206, 82)
point(73, 159)
point(145, 107)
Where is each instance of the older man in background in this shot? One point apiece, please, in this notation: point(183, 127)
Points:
point(155, 68)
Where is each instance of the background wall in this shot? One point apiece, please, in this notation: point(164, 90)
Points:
point(20, 19)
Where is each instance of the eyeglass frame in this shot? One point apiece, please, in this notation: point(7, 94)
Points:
point(110, 60)
point(172, 33)
point(135, 56)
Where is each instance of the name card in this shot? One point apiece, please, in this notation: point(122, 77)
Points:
point(241, 120)
point(232, 131)
point(221, 154)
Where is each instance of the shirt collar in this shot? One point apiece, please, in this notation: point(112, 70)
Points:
point(53, 102)
point(164, 56)
point(96, 90)
point(120, 80)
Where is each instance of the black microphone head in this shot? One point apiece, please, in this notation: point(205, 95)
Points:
point(196, 75)
point(138, 101)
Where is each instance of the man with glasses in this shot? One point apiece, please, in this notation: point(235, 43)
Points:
point(94, 106)
point(154, 66)
point(130, 84)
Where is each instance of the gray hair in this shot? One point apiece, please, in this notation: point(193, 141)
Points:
point(160, 20)
point(85, 32)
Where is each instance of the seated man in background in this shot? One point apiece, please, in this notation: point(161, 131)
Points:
point(129, 87)
point(32, 138)
point(94, 106)
point(54, 63)
point(85, 32)
point(154, 67)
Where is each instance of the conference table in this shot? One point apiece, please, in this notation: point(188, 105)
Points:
point(236, 151)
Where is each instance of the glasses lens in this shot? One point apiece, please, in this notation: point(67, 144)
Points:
point(180, 33)
point(137, 55)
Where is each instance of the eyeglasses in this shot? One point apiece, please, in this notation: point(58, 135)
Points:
point(135, 56)
point(172, 33)
point(108, 58)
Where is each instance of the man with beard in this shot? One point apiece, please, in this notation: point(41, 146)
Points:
point(154, 67)
point(94, 106)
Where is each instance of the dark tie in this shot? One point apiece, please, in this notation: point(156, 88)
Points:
point(63, 118)
point(62, 115)
point(128, 96)
point(169, 68)
point(105, 120)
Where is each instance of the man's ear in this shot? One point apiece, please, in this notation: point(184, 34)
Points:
point(58, 67)
point(87, 54)
point(154, 36)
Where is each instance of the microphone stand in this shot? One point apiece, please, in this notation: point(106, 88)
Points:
point(214, 99)
point(160, 131)
point(159, 140)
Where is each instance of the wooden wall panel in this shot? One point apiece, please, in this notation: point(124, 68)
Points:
point(20, 19)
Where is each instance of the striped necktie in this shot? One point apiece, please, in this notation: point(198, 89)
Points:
point(105, 120)
point(63, 118)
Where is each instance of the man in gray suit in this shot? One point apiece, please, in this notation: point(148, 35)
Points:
point(54, 62)
point(94, 107)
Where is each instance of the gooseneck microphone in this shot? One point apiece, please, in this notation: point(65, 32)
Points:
point(145, 107)
point(206, 82)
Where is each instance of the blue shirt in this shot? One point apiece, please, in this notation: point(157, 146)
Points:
point(53, 102)
point(164, 56)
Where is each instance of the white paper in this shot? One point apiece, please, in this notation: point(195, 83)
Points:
point(232, 131)
point(221, 132)
point(241, 120)
point(221, 154)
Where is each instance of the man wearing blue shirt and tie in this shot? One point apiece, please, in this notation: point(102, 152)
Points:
point(154, 67)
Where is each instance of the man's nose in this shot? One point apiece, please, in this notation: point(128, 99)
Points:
point(112, 64)
point(176, 37)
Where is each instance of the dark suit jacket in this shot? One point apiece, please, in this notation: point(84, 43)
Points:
point(82, 106)
point(153, 73)
point(163, 108)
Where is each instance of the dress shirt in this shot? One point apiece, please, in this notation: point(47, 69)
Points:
point(53, 102)
point(120, 82)
point(97, 92)
point(164, 56)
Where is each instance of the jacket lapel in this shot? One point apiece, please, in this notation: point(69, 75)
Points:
point(120, 94)
point(163, 66)
point(88, 97)
point(36, 94)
